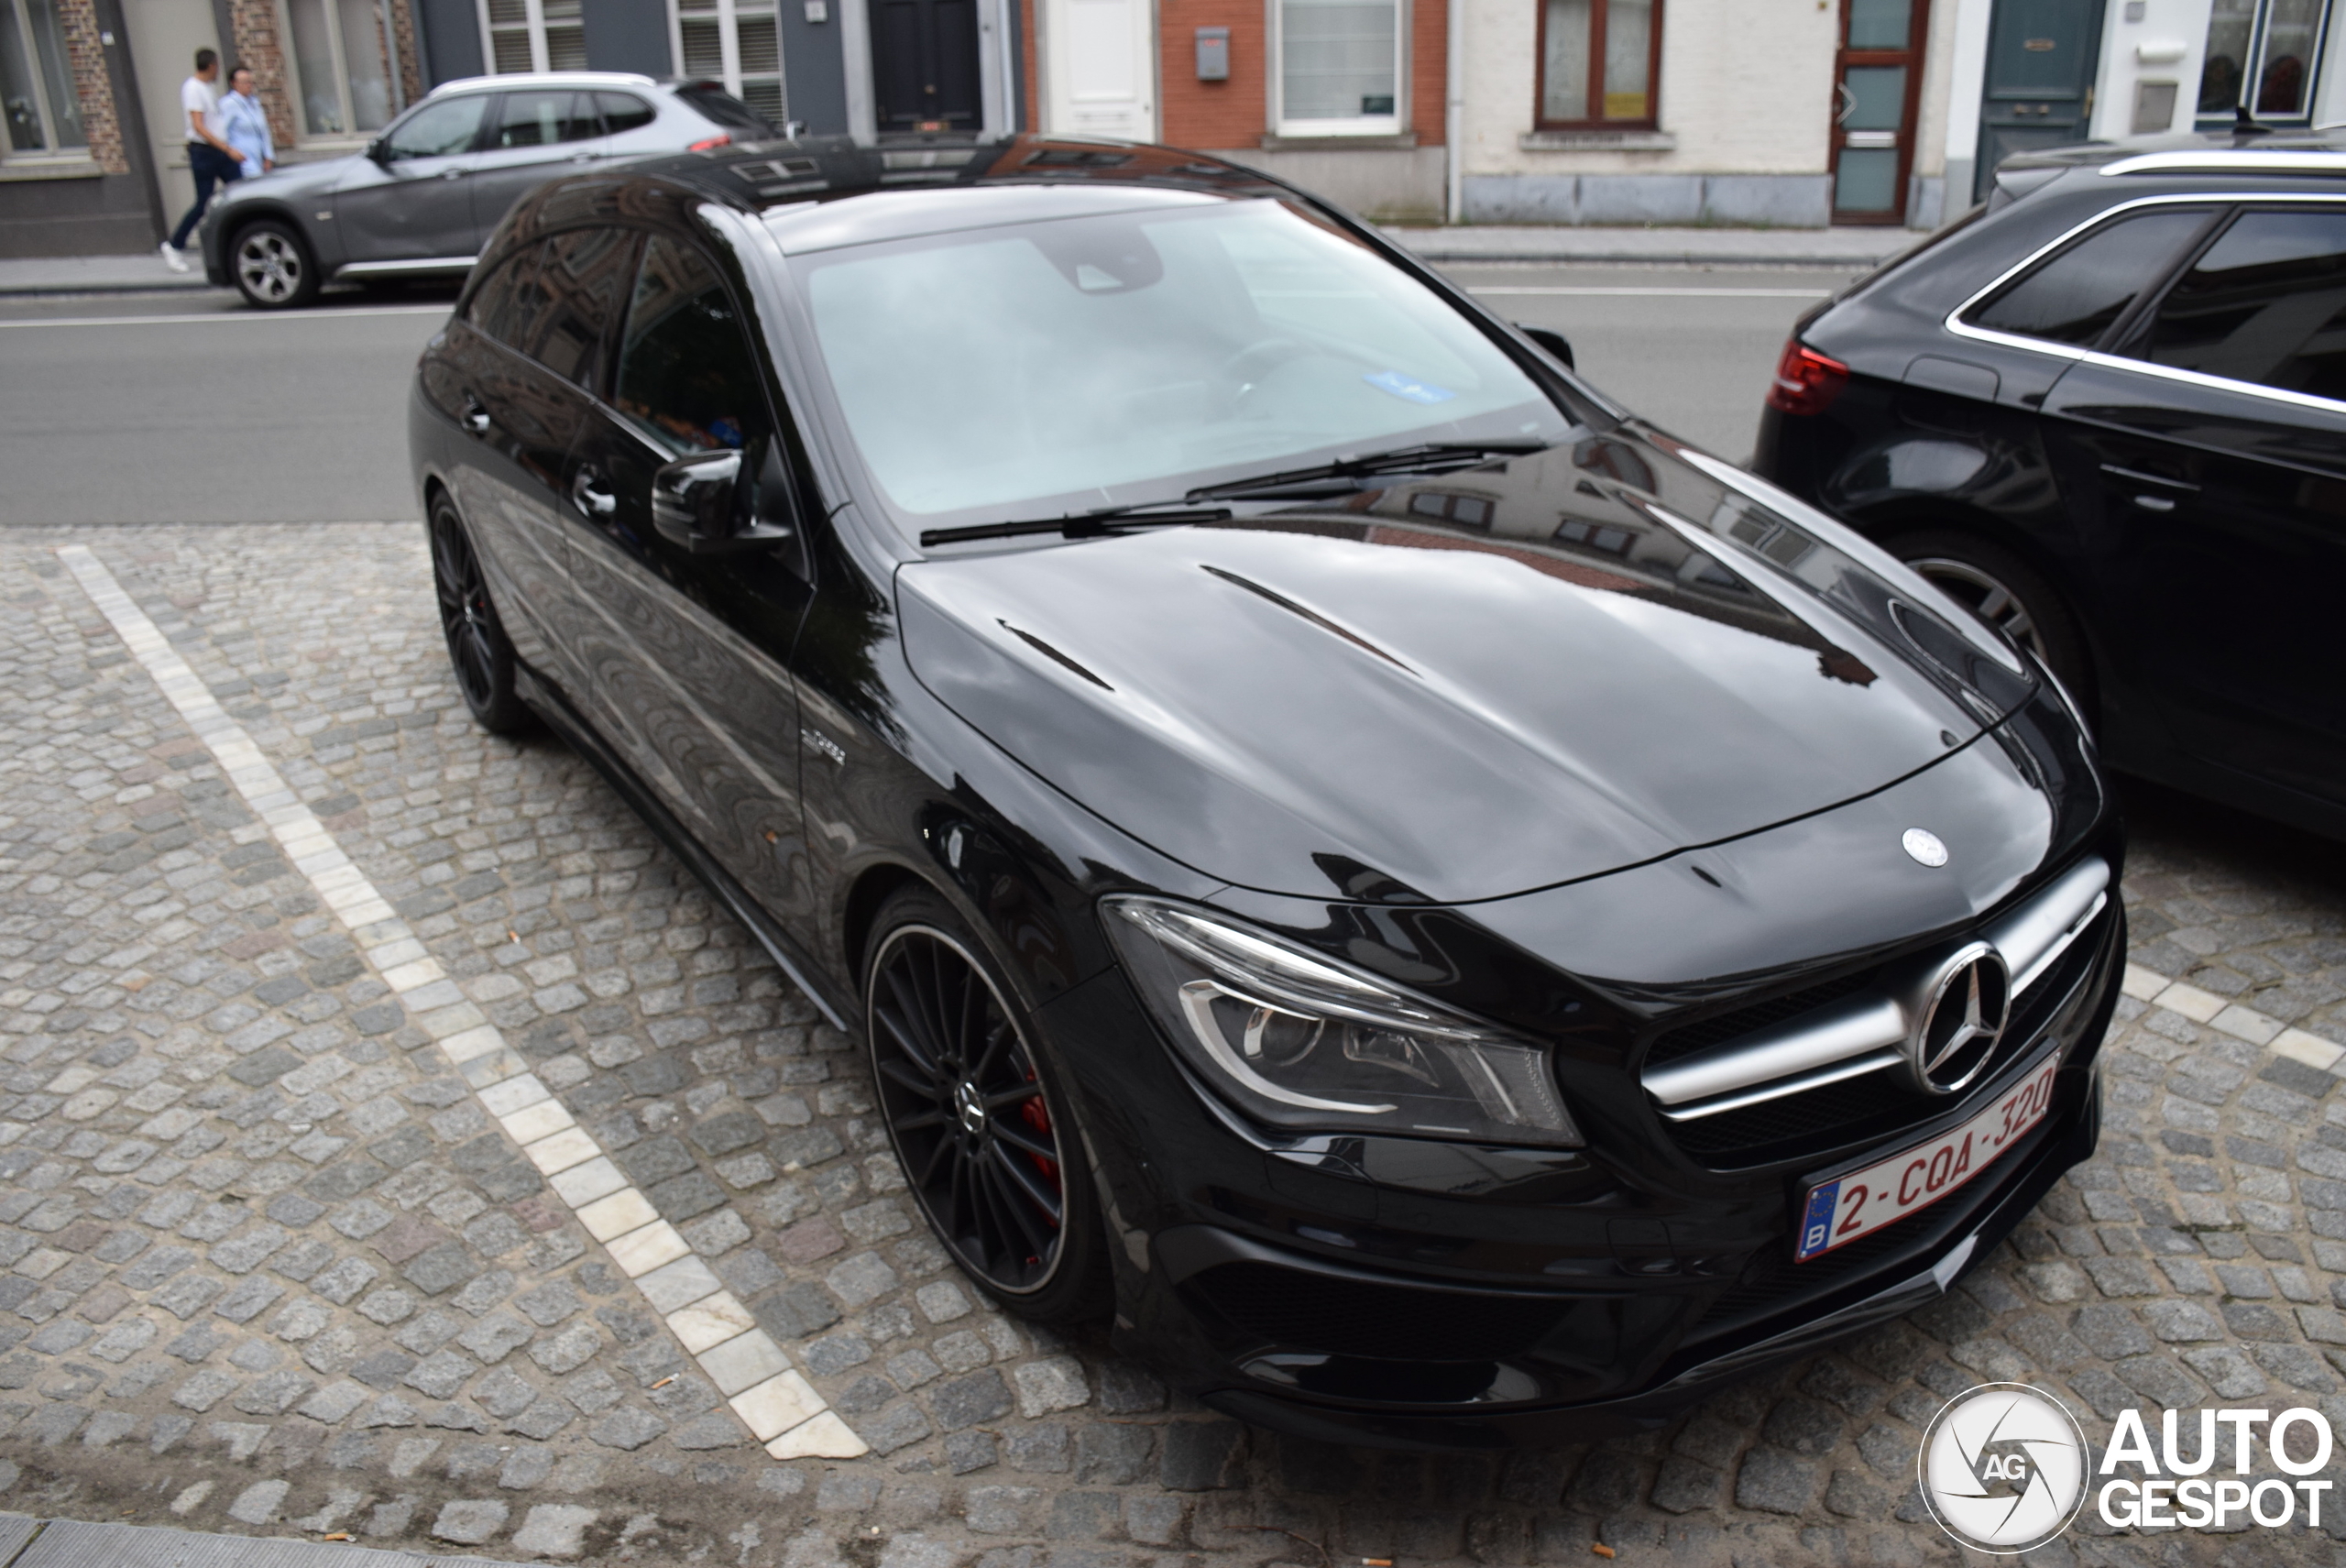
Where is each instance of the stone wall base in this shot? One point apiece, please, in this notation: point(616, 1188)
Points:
point(1774, 201)
point(103, 215)
point(1389, 184)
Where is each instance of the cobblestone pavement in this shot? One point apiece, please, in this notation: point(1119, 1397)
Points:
point(270, 1264)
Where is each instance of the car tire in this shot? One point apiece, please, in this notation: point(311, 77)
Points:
point(271, 265)
point(980, 1117)
point(477, 647)
point(1999, 588)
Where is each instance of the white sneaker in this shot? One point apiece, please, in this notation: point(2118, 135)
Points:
point(174, 258)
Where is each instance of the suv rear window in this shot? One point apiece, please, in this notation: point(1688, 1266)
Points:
point(2079, 295)
point(721, 108)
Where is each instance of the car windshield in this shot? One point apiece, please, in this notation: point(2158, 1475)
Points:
point(1043, 368)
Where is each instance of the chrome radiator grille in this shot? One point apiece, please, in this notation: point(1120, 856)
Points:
point(1838, 1056)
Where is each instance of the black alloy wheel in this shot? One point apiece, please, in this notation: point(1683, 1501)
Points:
point(975, 1119)
point(2006, 592)
point(477, 647)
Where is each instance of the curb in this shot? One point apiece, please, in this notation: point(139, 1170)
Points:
point(1467, 253)
point(39, 290)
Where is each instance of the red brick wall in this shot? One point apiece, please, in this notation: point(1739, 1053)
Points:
point(1235, 114)
point(1034, 80)
point(1429, 68)
point(1232, 113)
point(86, 59)
point(411, 58)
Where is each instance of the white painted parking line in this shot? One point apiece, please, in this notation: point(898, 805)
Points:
point(781, 1409)
point(235, 315)
point(1644, 292)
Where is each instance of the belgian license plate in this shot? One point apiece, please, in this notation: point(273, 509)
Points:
point(1840, 1211)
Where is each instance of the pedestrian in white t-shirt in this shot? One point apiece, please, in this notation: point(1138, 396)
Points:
point(209, 157)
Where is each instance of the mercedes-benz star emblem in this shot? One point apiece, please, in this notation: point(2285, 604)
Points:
point(1924, 846)
point(1962, 1013)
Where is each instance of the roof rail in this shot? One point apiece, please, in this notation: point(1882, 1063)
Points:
point(2230, 160)
point(520, 80)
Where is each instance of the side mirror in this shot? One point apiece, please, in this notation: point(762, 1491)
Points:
point(378, 151)
point(1552, 340)
point(702, 504)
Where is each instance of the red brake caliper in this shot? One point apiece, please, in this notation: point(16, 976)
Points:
point(1037, 1116)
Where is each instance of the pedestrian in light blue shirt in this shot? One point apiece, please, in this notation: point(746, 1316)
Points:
point(245, 123)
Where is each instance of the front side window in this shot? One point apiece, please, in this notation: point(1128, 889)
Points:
point(1598, 60)
point(2263, 56)
point(341, 76)
point(1338, 66)
point(37, 83)
point(687, 374)
point(545, 118)
point(2266, 304)
point(437, 130)
point(1055, 368)
point(533, 35)
point(735, 42)
point(2079, 295)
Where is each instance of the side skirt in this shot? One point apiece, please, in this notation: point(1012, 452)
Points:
point(550, 705)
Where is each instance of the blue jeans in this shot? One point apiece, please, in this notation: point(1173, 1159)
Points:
point(210, 167)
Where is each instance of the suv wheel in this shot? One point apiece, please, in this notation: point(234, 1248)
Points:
point(2007, 593)
point(477, 646)
point(272, 266)
point(978, 1117)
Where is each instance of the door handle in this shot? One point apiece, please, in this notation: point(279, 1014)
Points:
point(1848, 103)
point(454, 173)
point(474, 418)
point(2155, 503)
point(2136, 477)
point(592, 498)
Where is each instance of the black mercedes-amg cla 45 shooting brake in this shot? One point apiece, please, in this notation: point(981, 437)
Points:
point(1443, 914)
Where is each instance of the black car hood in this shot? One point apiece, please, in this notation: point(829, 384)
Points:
point(1463, 687)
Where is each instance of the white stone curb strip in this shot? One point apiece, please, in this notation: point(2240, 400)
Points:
point(777, 1404)
point(2232, 1018)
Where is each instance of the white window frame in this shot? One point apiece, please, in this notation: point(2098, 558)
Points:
point(728, 16)
point(531, 27)
point(1390, 124)
point(17, 14)
point(302, 135)
point(2260, 38)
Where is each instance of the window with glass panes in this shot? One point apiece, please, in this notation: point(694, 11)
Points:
point(1598, 62)
point(341, 76)
point(37, 83)
point(1338, 66)
point(737, 43)
point(533, 35)
point(2263, 56)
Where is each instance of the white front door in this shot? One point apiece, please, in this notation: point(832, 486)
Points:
point(164, 36)
point(1101, 68)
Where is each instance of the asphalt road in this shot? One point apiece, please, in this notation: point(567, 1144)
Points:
point(192, 409)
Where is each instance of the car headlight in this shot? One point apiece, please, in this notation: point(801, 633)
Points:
point(1299, 1041)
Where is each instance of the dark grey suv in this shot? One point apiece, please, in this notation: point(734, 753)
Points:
point(420, 199)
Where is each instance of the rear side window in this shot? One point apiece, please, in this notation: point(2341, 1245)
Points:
point(580, 279)
point(2080, 294)
point(624, 111)
point(2267, 304)
point(720, 107)
point(545, 118)
point(509, 302)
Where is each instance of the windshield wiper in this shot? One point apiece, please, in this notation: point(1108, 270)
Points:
point(1087, 525)
point(1432, 456)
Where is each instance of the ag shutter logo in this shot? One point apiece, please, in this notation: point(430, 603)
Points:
point(2004, 1467)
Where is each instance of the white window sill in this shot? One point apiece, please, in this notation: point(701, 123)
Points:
point(52, 169)
point(1309, 136)
point(1598, 141)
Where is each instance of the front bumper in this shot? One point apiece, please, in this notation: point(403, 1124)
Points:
point(1313, 1307)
